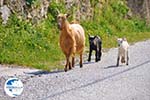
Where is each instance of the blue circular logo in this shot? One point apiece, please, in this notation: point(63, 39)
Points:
point(13, 87)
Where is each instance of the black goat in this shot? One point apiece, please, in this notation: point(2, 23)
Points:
point(95, 43)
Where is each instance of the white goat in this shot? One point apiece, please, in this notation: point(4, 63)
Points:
point(123, 51)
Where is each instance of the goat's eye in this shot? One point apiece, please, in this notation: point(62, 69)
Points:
point(58, 17)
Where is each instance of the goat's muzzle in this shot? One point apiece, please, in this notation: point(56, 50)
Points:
point(59, 26)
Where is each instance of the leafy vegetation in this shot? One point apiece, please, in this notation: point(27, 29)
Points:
point(112, 23)
point(23, 44)
point(37, 46)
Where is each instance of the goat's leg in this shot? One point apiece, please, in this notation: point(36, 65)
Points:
point(73, 59)
point(73, 55)
point(127, 59)
point(90, 53)
point(70, 67)
point(67, 63)
point(81, 64)
point(100, 53)
point(118, 61)
point(96, 56)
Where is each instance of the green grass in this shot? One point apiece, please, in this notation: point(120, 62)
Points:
point(22, 43)
point(27, 45)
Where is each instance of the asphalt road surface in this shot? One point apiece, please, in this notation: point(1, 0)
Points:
point(95, 81)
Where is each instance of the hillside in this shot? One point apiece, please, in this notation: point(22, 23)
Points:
point(30, 36)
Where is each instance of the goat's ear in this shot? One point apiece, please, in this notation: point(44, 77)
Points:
point(96, 36)
point(124, 39)
point(67, 15)
point(118, 39)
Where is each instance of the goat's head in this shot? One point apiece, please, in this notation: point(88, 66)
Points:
point(61, 18)
point(120, 40)
point(92, 40)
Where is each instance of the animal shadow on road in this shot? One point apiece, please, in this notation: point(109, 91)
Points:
point(86, 63)
point(39, 73)
point(44, 72)
point(113, 66)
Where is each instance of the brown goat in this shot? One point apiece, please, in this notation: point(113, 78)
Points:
point(72, 40)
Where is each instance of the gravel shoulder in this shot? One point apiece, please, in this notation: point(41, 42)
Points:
point(95, 81)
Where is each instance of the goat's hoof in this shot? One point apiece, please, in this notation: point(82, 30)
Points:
point(96, 60)
point(89, 60)
point(65, 69)
point(81, 66)
point(70, 68)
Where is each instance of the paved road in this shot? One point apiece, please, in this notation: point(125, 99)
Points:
point(95, 81)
